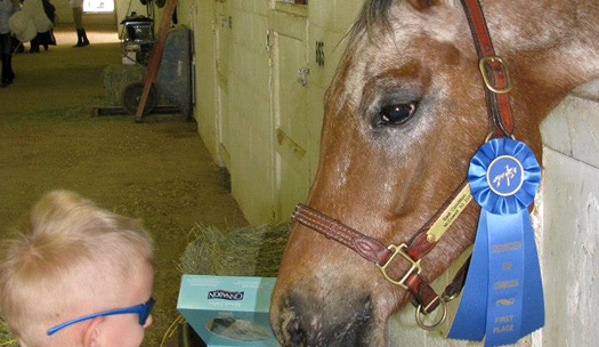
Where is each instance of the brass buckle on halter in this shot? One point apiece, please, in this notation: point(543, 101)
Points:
point(495, 59)
point(401, 251)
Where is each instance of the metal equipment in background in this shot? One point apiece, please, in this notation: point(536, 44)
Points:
point(138, 32)
point(170, 77)
point(176, 58)
point(169, 68)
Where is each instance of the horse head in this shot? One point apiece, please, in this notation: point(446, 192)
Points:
point(404, 114)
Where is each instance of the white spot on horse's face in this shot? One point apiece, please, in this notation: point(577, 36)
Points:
point(443, 23)
point(344, 163)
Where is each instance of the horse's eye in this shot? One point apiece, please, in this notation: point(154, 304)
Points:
point(396, 114)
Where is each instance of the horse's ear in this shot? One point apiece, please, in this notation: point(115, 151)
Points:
point(424, 4)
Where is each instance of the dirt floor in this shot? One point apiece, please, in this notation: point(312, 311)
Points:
point(158, 171)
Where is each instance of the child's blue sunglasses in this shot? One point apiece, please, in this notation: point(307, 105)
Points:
point(144, 310)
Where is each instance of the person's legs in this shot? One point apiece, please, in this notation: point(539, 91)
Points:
point(77, 14)
point(3, 83)
point(35, 44)
point(81, 35)
point(6, 49)
point(78, 17)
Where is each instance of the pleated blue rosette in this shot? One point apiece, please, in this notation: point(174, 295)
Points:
point(502, 299)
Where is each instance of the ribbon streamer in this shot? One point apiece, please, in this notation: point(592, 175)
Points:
point(503, 295)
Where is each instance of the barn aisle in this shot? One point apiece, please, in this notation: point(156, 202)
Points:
point(158, 171)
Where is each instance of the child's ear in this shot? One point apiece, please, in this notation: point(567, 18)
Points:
point(92, 336)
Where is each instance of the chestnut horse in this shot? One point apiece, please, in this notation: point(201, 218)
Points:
point(404, 115)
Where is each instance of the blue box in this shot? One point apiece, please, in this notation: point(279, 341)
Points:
point(228, 311)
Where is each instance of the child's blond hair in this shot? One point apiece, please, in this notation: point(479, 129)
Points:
point(70, 258)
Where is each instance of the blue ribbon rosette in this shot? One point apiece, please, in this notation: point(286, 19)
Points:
point(502, 299)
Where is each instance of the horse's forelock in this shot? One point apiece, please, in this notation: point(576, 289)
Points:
point(375, 13)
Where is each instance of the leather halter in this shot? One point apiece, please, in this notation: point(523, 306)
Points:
point(497, 82)
point(494, 72)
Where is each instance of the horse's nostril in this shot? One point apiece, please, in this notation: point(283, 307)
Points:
point(291, 328)
point(342, 327)
point(297, 335)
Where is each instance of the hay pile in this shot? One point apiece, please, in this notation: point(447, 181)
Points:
point(243, 252)
point(6, 338)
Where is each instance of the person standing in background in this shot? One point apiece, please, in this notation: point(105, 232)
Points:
point(50, 11)
point(7, 9)
point(43, 24)
point(77, 7)
point(45, 38)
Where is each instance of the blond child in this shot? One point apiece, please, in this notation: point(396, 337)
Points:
point(77, 276)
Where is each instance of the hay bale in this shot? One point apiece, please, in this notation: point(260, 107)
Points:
point(117, 77)
point(242, 252)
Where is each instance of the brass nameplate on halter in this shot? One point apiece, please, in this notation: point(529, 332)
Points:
point(451, 213)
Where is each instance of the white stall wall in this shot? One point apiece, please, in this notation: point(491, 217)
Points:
point(259, 104)
point(255, 116)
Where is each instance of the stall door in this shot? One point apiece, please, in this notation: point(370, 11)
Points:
point(290, 104)
point(222, 28)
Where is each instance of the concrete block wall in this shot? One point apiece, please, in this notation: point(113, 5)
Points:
point(570, 239)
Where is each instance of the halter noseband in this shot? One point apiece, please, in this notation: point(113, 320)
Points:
point(497, 82)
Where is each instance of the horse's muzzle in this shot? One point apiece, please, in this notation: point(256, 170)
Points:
point(303, 323)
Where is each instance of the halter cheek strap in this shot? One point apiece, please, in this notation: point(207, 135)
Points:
point(494, 72)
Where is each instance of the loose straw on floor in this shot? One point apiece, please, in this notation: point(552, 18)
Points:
point(171, 329)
